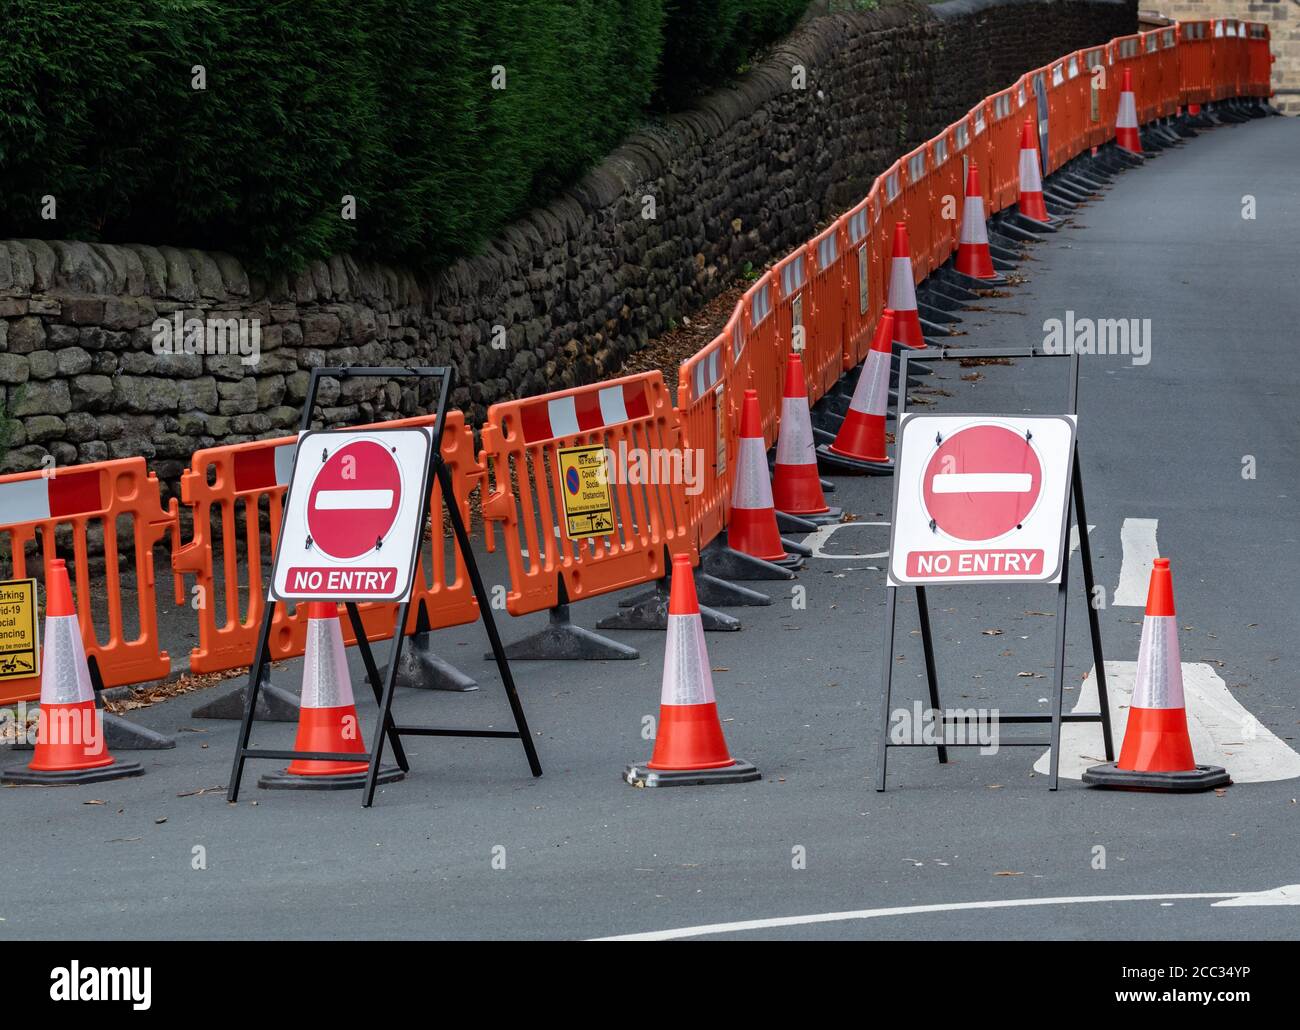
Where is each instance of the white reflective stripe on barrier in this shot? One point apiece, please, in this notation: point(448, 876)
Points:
point(687, 679)
point(792, 275)
point(737, 340)
point(902, 290)
point(828, 251)
point(891, 185)
point(762, 306)
point(1159, 672)
point(857, 225)
point(794, 445)
point(753, 488)
point(707, 372)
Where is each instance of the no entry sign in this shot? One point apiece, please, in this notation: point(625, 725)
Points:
point(351, 526)
point(981, 498)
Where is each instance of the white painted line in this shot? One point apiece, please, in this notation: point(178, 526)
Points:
point(818, 540)
point(354, 500)
point(1223, 897)
point(1288, 895)
point(1138, 539)
point(1222, 731)
point(983, 483)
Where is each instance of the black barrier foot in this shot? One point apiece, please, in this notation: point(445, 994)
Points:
point(121, 735)
point(274, 704)
point(936, 316)
point(338, 781)
point(643, 776)
point(421, 669)
point(718, 593)
point(650, 611)
point(1033, 225)
point(727, 563)
point(788, 523)
point(561, 640)
point(804, 523)
point(23, 776)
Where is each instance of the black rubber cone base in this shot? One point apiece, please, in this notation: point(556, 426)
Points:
point(643, 776)
point(32, 777)
point(346, 781)
point(829, 459)
point(1203, 777)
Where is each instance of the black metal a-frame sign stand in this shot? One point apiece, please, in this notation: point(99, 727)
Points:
point(384, 684)
point(1057, 716)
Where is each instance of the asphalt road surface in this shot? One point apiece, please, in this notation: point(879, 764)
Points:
point(1164, 445)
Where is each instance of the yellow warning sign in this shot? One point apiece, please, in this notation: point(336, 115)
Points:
point(20, 642)
point(584, 484)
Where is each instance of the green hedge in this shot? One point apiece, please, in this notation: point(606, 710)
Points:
point(389, 101)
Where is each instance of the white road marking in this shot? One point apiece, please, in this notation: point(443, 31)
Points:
point(982, 482)
point(354, 500)
point(1138, 539)
point(822, 536)
point(1074, 536)
point(1268, 897)
point(1222, 731)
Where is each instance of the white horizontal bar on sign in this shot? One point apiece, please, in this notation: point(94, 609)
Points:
point(354, 500)
point(983, 483)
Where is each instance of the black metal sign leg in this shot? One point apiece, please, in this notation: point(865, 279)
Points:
point(250, 701)
point(931, 675)
point(385, 721)
point(886, 676)
point(485, 612)
point(1094, 621)
point(1058, 692)
point(372, 674)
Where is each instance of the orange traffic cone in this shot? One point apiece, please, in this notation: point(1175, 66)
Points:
point(860, 444)
point(973, 255)
point(902, 292)
point(1031, 202)
point(1157, 752)
point(327, 716)
point(796, 487)
point(1126, 120)
point(70, 745)
point(689, 745)
point(752, 528)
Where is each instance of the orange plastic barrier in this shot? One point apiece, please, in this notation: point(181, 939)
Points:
point(823, 356)
point(1195, 62)
point(232, 490)
point(708, 428)
point(41, 510)
point(918, 210)
point(946, 190)
point(1004, 146)
point(794, 313)
point(864, 293)
point(521, 444)
point(1259, 61)
point(1095, 93)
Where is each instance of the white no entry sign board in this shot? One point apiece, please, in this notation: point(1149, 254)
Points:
point(981, 498)
point(351, 527)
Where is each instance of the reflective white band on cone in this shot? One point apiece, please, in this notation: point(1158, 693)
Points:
point(871, 395)
point(795, 444)
point(1127, 117)
point(902, 289)
point(1160, 671)
point(753, 489)
point(326, 682)
point(1030, 180)
point(65, 678)
point(687, 679)
point(972, 222)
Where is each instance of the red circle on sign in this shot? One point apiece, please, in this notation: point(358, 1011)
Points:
point(981, 482)
point(354, 500)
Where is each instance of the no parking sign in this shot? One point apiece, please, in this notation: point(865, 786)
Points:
point(352, 518)
point(981, 498)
